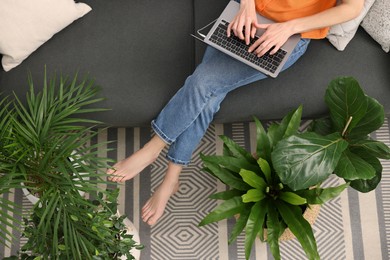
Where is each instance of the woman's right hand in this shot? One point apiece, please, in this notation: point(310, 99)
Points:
point(244, 25)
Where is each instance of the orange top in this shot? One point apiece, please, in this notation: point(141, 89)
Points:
point(285, 10)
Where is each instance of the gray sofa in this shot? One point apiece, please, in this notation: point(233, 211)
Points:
point(140, 52)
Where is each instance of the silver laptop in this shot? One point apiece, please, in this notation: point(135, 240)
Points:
point(268, 64)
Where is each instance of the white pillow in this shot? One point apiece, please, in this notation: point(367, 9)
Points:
point(377, 23)
point(27, 24)
point(340, 35)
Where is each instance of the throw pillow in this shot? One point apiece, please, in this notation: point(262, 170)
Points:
point(377, 23)
point(340, 35)
point(26, 25)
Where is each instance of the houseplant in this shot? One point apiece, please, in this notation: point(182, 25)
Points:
point(108, 232)
point(46, 147)
point(273, 188)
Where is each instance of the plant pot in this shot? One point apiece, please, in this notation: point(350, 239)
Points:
point(34, 199)
point(310, 214)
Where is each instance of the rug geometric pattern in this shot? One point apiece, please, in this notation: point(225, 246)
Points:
point(354, 226)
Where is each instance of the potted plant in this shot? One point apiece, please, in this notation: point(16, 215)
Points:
point(46, 147)
point(109, 236)
point(269, 192)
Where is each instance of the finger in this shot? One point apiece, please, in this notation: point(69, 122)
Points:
point(254, 45)
point(229, 29)
point(253, 31)
point(248, 32)
point(275, 49)
point(263, 50)
point(239, 30)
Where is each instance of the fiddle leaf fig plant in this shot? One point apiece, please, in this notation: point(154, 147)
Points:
point(339, 144)
point(270, 190)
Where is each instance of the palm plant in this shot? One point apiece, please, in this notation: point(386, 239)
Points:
point(46, 145)
point(273, 188)
point(10, 209)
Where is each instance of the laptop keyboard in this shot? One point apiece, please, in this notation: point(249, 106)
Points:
point(239, 47)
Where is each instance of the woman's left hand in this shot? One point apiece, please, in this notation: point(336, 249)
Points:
point(274, 37)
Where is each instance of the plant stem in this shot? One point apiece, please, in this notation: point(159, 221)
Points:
point(346, 126)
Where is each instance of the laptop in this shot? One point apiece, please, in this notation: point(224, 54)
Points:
point(216, 37)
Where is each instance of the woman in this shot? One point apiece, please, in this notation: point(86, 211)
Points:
point(185, 119)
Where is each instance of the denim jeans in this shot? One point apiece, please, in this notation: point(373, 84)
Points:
point(185, 119)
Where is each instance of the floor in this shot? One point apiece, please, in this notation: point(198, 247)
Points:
point(353, 226)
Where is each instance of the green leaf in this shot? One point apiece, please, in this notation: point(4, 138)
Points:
point(254, 224)
point(266, 169)
point(345, 98)
point(292, 198)
point(263, 147)
point(225, 210)
point(226, 176)
point(320, 195)
point(372, 147)
point(353, 167)
point(225, 195)
point(253, 195)
point(322, 126)
point(236, 150)
point(371, 184)
point(372, 120)
point(239, 225)
point(232, 163)
point(275, 229)
point(292, 216)
point(253, 179)
point(74, 218)
point(289, 126)
point(306, 159)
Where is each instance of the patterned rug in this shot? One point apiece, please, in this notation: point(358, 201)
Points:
point(353, 226)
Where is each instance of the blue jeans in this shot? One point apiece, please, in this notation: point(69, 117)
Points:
point(185, 119)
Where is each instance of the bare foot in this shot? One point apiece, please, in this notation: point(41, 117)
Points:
point(155, 206)
point(134, 164)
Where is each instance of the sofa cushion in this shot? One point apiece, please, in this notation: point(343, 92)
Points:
point(26, 25)
point(377, 23)
point(341, 34)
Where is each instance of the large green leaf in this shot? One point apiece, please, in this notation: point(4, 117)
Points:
point(266, 169)
point(240, 224)
point(353, 167)
point(253, 195)
point(372, 120)
point(292, 198)
point(372, 147)
point(321, 195)
point(371, 184)
point(236, 150)
point(225, 210)
point(275, 229)
point(321, 126)
point(253, 179)
point(307, 159)
point(226, 176)
point(225, 195)
point(254, 224)
point(292, 216)
point(345, 99)
point(288, 126)
point(232, 163)
point(263, 147)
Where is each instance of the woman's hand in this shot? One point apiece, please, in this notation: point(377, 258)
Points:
point(274, 37)
point(245, 19)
